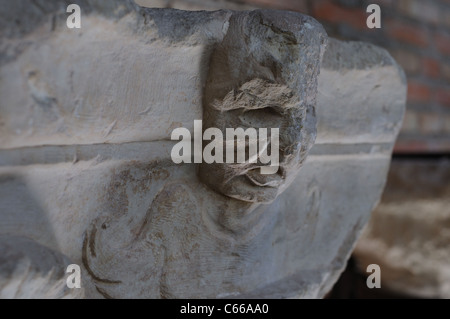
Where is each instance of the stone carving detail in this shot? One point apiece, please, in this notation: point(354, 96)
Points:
point(271, 61)
point(85, 166)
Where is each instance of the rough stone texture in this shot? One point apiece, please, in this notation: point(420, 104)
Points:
point(409, 232)
point(29, 270)
point(415, 32)
point(264, 75)
point(85, 166)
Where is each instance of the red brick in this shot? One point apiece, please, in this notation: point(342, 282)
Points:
point(384, 2)
point(430, 124)
point(331, 12)
point(410, 122)
point(445, 71)
point(445, 17)
point(424, 145)
point(405, 146)
point(443, 43)
point(409, 61)
point(430, 67)
point(418, 92)
point(443, 97)
point(421, 10)
point(407, 33)
point(447, 125)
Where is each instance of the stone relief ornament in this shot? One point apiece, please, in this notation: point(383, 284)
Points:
point(87, 174)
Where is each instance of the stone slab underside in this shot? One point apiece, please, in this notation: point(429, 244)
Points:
point(86, 173)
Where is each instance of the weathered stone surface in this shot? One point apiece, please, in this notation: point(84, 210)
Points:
point(85, 164)
point(29, 270)
point(372, 101)
point(409, 232)
point(262, 75)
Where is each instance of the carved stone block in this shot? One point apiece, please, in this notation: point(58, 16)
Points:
point(85, 167)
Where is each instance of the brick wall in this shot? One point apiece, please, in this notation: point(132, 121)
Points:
point(416, 33)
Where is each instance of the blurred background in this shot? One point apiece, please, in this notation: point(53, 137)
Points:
point(409, 234)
